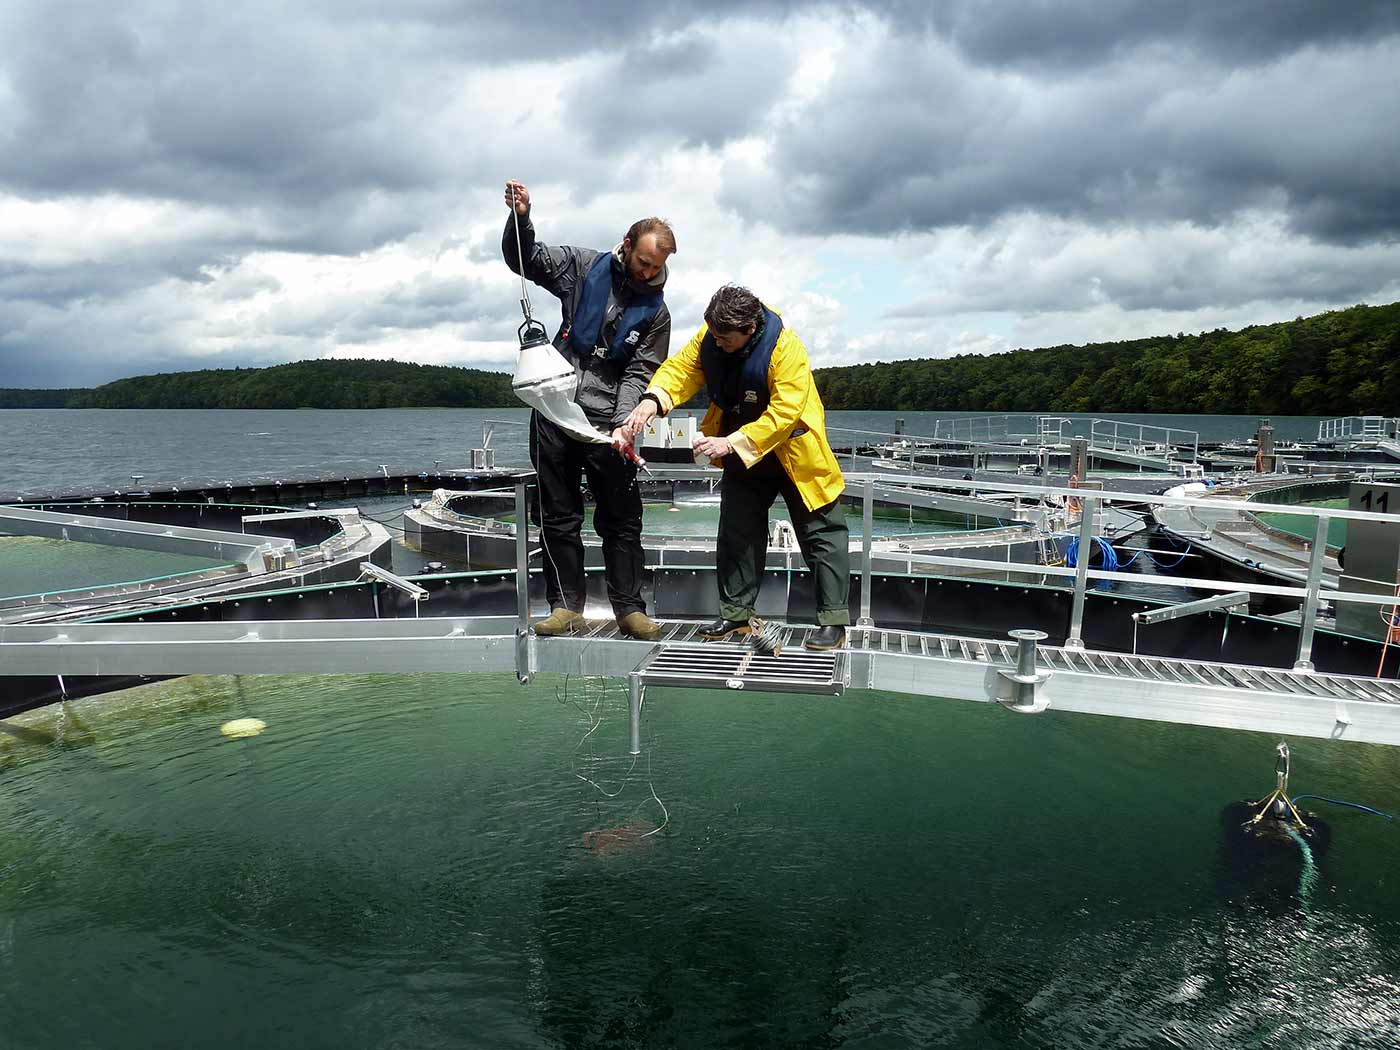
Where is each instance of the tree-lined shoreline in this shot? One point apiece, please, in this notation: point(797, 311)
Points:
point(1343, 362)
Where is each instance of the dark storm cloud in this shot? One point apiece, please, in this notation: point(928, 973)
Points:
point(1074, 33)
point(547, 30)
point(193, 104)
point(425, 302)
point(1182, 268)
point(692, 90)
point(306, 111)
point(339, 126)
point(292, 106)
point(909, 137)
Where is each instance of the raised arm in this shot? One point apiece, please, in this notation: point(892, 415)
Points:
point(554, 269)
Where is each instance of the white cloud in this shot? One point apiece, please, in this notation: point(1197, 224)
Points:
point(216, 188)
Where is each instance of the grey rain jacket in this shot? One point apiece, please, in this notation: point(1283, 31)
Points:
point(607, 391)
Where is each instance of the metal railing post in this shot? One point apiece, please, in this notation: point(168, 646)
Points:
point(867, 526)
point(524, 671)
point(1308, 622)
point(1081, 571)
point(634, 712)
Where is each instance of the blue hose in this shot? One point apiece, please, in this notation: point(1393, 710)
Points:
point(1339, 802)
point(1110, 556)
point(1170, 565)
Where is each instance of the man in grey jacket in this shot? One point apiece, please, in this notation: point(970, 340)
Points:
point(616, 331)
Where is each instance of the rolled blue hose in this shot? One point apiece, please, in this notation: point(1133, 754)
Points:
point(1110, 556)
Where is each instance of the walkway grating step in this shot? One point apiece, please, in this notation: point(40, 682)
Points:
point(741, 667)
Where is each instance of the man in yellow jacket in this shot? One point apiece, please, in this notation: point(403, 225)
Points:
point(766, 426)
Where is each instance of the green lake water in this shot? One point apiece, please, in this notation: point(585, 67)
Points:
point(33, 564)
point(455, 861)
point(1302, 524)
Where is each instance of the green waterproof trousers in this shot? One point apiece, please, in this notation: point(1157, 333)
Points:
point(745, 498)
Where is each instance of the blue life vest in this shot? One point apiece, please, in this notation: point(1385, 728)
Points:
point(632, 326)
point(752, 391)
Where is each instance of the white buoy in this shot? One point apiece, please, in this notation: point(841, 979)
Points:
point(239, 728)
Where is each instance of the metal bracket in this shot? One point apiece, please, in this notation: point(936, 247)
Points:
point(1228, 602)
point(374, 572)
point(1026, 680)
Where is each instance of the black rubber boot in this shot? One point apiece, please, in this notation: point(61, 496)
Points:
point(832, 636)
point(722, 628)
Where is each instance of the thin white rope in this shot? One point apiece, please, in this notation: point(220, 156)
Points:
point(520, 258)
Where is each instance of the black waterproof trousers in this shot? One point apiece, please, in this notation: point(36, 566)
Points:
point(562, 463)
point(822, 536)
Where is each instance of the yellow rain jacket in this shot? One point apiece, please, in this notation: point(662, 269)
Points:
point(793, 426)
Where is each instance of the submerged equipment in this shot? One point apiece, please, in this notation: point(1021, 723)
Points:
point(1277, 806)
point(1270, 853)
point(544, 379)
point(239, 728)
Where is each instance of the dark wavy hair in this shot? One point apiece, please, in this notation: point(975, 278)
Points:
point(732, 309)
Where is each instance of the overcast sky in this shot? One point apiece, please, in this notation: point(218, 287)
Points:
point(194, 185)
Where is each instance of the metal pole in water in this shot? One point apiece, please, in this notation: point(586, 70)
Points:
point(634, 711)
point(1081, 572)
point(522, 555)
point(523, 671)
point(1308, 623)
point(867, 526)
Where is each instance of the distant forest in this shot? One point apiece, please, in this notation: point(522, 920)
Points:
point(1345, 362)
point(38, 398)
point(303, 384)
point(1341, 363)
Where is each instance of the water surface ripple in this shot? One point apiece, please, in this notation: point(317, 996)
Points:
point(439, 860)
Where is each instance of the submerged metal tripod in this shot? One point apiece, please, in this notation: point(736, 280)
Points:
point(1278, 804)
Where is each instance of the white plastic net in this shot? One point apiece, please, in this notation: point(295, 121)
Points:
point(545, 381)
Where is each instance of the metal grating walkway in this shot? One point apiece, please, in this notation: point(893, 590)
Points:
point(1166, 670)
point(726, 666)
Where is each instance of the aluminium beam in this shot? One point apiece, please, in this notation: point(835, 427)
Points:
point(1271, 700)
point(393, 646)
point(1233, 600)
point(254, 553)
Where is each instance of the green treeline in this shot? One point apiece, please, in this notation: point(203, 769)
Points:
point(11, 398)
point(1341, 363)
point(302, 384)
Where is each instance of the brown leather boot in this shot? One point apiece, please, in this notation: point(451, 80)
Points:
point(560, 621)
point(639, 625)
